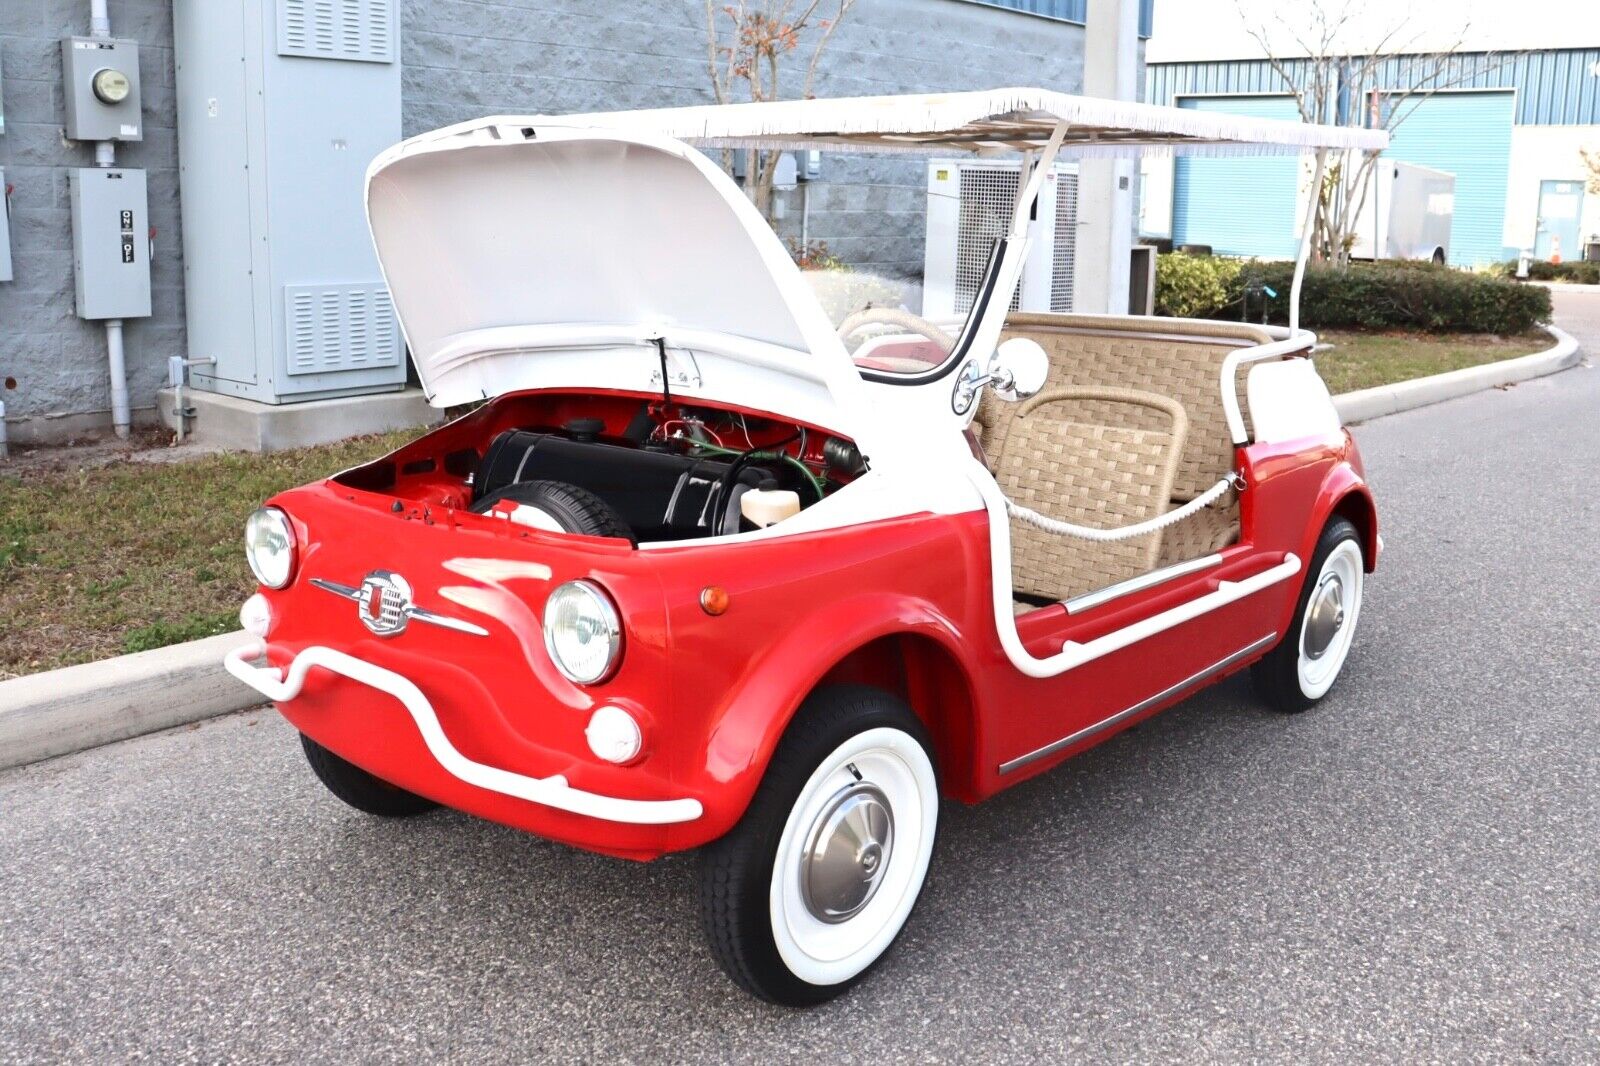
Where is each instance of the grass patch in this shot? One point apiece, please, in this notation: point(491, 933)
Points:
point(1363, 360)
point(98, 561)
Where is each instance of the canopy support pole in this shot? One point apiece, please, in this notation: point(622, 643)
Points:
point(1305, 241)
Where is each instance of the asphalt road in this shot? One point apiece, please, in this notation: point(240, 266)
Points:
point(1410, 872)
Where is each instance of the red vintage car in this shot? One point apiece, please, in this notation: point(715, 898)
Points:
point(710, 567)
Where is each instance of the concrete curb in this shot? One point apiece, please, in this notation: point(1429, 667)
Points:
point(62, 711)
point(67, 710)
point(1420, 392)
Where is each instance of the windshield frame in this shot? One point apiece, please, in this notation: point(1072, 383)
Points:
point(969, 330)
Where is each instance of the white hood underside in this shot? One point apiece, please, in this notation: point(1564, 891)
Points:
point(522, 262)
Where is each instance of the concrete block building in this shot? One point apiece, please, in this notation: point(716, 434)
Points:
point(255, 190)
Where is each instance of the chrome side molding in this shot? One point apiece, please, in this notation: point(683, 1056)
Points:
point(1143, 705)
point(1139, 583)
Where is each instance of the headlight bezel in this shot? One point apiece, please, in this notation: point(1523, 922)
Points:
point(609, 624)
point(253, 545)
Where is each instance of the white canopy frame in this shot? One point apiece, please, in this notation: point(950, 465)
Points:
point(1042, 125)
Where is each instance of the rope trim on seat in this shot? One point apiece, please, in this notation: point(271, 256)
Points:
point(1138, 529)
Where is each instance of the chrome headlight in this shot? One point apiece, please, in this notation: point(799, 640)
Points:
point(582, 632)
point(269, 546)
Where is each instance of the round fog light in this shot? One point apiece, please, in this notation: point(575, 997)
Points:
point(255, 616)
point(613, 735)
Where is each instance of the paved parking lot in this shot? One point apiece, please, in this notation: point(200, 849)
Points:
point(1410, 872)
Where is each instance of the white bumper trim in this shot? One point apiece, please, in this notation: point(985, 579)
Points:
point(552, 791)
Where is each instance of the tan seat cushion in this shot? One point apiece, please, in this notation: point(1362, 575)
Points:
point(1208, 530)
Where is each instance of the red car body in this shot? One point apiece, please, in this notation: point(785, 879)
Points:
point(902, 604)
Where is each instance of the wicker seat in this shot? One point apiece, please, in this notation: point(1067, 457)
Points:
point(1064, 454)
point(1097, 353)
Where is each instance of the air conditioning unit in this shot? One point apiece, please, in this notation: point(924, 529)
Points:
point(969, 207)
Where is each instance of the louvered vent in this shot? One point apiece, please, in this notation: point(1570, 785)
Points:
point(986, 197)
point(987, 193)
point(1065, 249)
point(339, 327)
point(360, 30)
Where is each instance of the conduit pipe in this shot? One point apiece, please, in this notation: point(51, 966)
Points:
point(105, 155)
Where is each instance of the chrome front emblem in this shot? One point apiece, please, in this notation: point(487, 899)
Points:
point(385, 598)
point(383, 602)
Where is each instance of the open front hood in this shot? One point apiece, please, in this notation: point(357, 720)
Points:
point(523, 257)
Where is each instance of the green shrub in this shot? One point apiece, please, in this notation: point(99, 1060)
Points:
point(1581, 272)
point(1195, 286)
point(1417, 296)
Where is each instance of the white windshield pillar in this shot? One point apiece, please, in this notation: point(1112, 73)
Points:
point(992, 316)
point(1305, 241)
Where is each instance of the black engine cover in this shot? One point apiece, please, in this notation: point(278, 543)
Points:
point(661, 495)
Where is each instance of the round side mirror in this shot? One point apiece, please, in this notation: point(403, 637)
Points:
point(1020, 368)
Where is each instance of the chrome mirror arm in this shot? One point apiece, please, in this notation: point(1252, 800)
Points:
point(971, 381)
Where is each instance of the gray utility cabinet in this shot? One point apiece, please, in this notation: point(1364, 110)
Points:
point(281, 106)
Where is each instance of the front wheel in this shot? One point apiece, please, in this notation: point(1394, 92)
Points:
point(360, 789)
point(807, 893)
point(1306, 663)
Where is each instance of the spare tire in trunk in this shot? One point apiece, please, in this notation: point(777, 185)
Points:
point(561, 508)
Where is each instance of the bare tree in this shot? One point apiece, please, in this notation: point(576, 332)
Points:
point(1591, 163)
point(1376, 86)
point(745, 47)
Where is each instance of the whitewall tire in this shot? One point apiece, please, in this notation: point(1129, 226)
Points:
point(809, 891)
point(1306, 663)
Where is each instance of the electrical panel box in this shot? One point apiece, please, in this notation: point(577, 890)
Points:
point(101, 83)
point(110, 242)
point(5, 230)
point(281, 106)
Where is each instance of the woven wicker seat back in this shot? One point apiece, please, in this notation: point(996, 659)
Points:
point(1055, 457)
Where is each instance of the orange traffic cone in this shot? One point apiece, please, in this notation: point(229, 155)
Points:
point(1555, 248)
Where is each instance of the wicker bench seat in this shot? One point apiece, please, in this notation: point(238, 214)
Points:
point(1100, 456)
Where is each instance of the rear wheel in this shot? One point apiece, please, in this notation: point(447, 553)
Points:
point(808, 892)
point(360, 789)
point(1306, 663)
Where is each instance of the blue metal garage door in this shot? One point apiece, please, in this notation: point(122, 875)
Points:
point(1467, 134)
point(1243, 206)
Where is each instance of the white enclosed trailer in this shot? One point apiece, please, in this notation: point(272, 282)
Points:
point(1407, 213)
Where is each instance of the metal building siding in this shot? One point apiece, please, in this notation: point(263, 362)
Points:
point(1554, 87)
point(1241, 206)
point(1469, 135)
point(1070, 10)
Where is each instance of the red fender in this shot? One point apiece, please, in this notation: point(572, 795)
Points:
point(742, 736)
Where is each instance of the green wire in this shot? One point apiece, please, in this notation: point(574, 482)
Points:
point(812, 479)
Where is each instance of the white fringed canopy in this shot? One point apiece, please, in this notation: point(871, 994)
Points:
point(985, 122)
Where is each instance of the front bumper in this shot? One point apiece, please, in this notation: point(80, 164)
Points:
point(281, 686)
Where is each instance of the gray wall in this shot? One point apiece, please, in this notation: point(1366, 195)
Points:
point(461, 59)
point(466, 58)
point(57, 359)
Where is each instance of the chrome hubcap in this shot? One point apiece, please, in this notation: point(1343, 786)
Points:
point(1324, 616)
point(846, 853)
